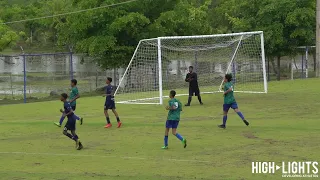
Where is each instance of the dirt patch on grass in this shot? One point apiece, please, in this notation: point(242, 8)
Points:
point(37, 164)
point(249, 135)
point(270, 141)
point(95, 174)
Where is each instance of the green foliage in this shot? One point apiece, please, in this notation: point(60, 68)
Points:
point(7, 36)
point(109, 35)
point(286, 24)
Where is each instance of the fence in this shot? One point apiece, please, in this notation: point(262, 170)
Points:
point(35, 77)
point(300, 66)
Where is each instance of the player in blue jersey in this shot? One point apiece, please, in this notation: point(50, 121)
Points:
point(74, 95)
point(110, 104)
point(71, 123)
point(230, 101)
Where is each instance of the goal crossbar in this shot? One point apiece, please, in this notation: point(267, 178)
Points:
point(214, 35)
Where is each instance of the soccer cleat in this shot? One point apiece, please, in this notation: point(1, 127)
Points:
point(164, 147)
point(222, 126)
point(108, 125)
point(77, 143)
point(57, 124)
point(187, 105)
point(201, 103)
point(81, 121)
point(184, 141)
point(246, 122)
point(119, 124)
point(80, 146)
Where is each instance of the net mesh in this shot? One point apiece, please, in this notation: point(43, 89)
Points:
point(211, 56)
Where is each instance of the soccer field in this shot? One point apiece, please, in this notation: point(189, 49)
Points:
point(284, 127)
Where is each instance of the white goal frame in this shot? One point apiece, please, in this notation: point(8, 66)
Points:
point(159, 40)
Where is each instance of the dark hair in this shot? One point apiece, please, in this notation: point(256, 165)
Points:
point(228, 77)
point(191, 67)
point(173, 93)
point(109, 79)
point(64, 95)
point(74, 81)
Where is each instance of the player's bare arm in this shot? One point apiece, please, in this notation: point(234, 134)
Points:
point(227, 91)
point(173, 107)
point(75, 98)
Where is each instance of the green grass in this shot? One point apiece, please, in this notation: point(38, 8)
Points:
point(284, 127)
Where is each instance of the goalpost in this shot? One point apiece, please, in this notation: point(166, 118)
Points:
point(159, 65)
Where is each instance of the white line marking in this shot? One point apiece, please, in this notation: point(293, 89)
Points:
point(88, 155)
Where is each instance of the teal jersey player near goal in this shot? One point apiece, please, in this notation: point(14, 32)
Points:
point(173, 119)
point(230, 101)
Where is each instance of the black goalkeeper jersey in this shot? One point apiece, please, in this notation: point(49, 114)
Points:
point(192, 78)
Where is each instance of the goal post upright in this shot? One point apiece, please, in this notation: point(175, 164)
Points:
point(263, 58)
point(160, 71)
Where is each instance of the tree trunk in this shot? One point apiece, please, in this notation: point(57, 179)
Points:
point(295, 64)
point(278, 63)
point(178, 69)
point(273, 66)
point(115, 76)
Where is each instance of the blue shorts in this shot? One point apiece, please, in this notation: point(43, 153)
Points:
point(109, 105)
point(233, 105)
point(172, 124)
point(71, 123)
point(73, 107)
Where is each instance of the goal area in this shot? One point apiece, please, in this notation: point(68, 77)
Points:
point(161, 64)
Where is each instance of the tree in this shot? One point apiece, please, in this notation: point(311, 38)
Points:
point(7, 36)
point(110, 35)
point(286, 24)
point(187, 18)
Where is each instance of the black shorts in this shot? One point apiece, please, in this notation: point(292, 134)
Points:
point(109, 105)
point(71, 124)
point(195, 92)
point(73, 107)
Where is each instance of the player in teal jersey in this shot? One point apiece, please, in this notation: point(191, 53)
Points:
point(174, 108)
point(74, 95)
point(230, 101)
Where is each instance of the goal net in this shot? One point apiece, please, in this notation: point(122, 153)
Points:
point(159, 65)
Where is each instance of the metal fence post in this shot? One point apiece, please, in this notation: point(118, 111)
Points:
point(302, 76)
point(71, 63)
point(24, 79)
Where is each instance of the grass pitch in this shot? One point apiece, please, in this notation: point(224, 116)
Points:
point(284, 127)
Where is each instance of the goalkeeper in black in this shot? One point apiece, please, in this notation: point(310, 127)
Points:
point(193, 86)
